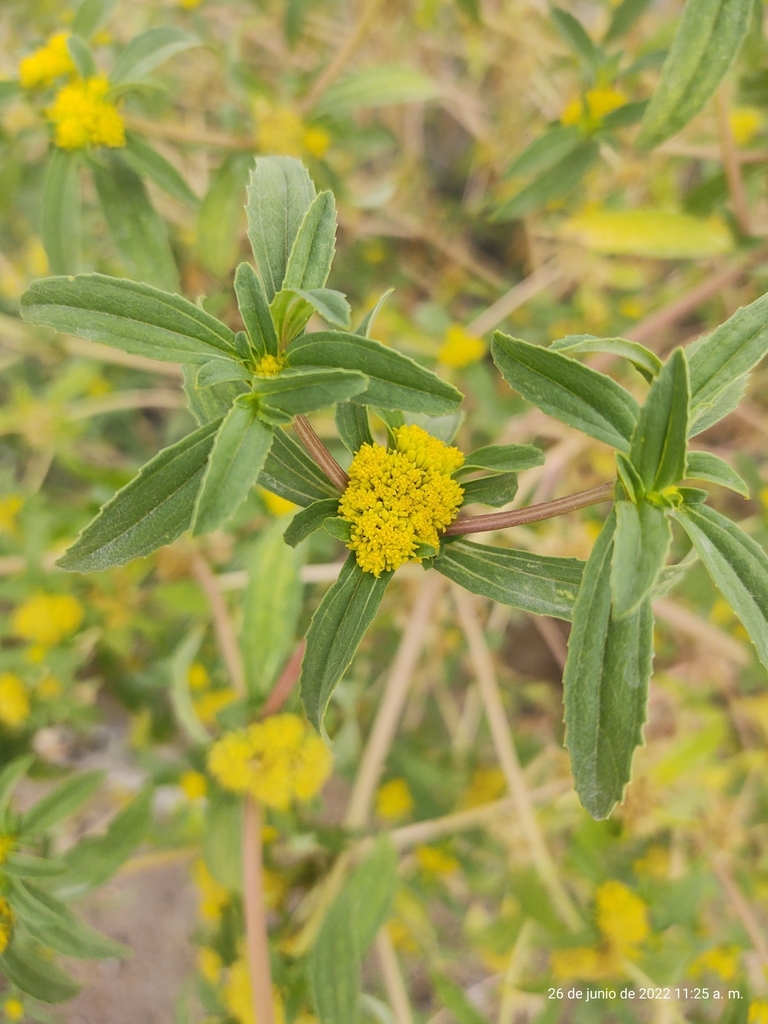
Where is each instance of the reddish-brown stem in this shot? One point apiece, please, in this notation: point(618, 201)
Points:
point(730, 158)
point(320, 453)
point(256, 915)
point(281, 691)
point(532, 514)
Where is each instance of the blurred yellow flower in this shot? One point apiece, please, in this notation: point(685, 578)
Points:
point(593, 106)
point(13, 1009)
point(238, 996)
point(84, 117)
point(10, 506)
point(6, 923)
point(276, 761)
point(189, 5)
point(209, 964)
point(487, 784)
point(194, 785)
point(394, 800)
point(212, 702)
point(621, 916)
point(46, 619)
point(275, 504)
point(279, 129)
point(585, 962)
point(745, 122)
point(434, 861)
point(758, 1011)
point(722, 960)
point(316, 142)
point(654, 863)
point(49, 688)
point(14, 702)
point(275, 889)
point(197, 676)
point(7, 843)
point(460, 348)
point(213, 895)
point(41, 68)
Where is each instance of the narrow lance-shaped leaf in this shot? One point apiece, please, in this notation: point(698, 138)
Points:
point(706, 466)
point(394, 380)
point(181, 697)
point(91, 15)
point(352, 425)
point(606, 684)
point(10, 777)
point(310, 519)
point(237, 457)
point(366, 324)
point(254, 309)
point(219, 371)
point(495, 490)
point(640, 547)
point(623, 18)
point(541, 584)
point(128, 315)
point(311, 255)
point(304, 390)
point(146, 51)
point(81, 55)
point(337, 627)
point(558, 180)
point(563, 388)
point(147, 162)
point(60, 214)
point(334, 965)
point(546, 151)
point(645, 361)
point(503, 458)
point(574, 33)
point(738, 567)
point(154, 509)
point(292, 474)
point(660, 439)
point(37, 976)
point(61, 801)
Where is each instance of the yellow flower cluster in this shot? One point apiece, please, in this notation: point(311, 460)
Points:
point(10, 506)
point(213, 895)
point(394, 800)
point(238, 996)
point(460, 348)
point(7, 843)
point(269, 366)
point(13, 1009)
point(14, 701)
point(398, 499)
point(281, 130)
point(593, 106)
point(758, 1011)
point(276, 761)
point(6, 923)
point(434, 861)
point(721, 960)
point(84, 117)
point(47, 618)
point(41, 68)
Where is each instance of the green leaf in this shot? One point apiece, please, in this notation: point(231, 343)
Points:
point(212, 402)
point(38, 977)
point(394, 380)
point(297, 391)
point(624, 17)
point(546, 151)
point(53, 924)
point(442, 427)
point(61, 210)
point(334, 965)
point(10, 777)
point(181, 698)
point(219, 371)
point(310, 519)
point(563, 388)
point(91, 16)
point(575, 36)
point(138, 231)
point(559, 180)
point(339, 528)
point(719, 363)
point(271, 607)
point(539, 584)
point(96, 858)
point(292, 474)
point(503, 458)
point(352, 425)
point(630, 478)
point(366, 324)
point(337, 627)
point(279, 194)
point(330, 304)
point(81, 56)
point(220, 215)
point(659, 441)
point(738, 567)
point(455, 1000)
point(147, 162)
point(373, 885)
point(381, 86)
point(622, 117)
point(606, 684)
point(154, 509)
point(708, 37)
point(311, 256)
point(26, 865)
point(640, 548)
point(291, 309)
point(706, 466)
point(237, 457)
point(645, 361)
point(128, 315)
point(60, 802)
point(491, 490)
point(148, 50)
point(223, 843)
point(254, 309)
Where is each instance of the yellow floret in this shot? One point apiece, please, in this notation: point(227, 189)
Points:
point(269, 366)
point(394, 800)
point(13, 1009)
point(276, 761)
point(6, 923)
point(213, 895)
point(276, 505)
point(10, 506)
point(434, 861)
point(238, 996)
point(194, 785)
point(460, 348)
point(487, 784)
point(722, 960)
point(47, 618)
point(83, 116)
point(212, 702)
point(209, 964)
point(396, 500)
point(197, 676)
point(593, 106)
point(14, 702)
point(316, 142)
point(758, 1011)
point(587, 963)
point(41, 68)
point(280, 129)
point(621, 916)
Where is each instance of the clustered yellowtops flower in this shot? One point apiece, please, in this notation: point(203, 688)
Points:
point(6, 923)
point(14, 701)
point(593, 107)
point(399, 499)
point(277, 761)
point(41, 68)
point(83, 115)
point(47, 618)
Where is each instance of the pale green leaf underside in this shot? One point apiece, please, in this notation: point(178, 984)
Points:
point(706, 466)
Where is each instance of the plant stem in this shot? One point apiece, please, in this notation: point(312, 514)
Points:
point(327, 77)
point(257, 940)
point(511, 300)
point(288, 678)
point(222, 624)
point(320, 453)
point(730, 158)
point(532, 514)
point(397, 994)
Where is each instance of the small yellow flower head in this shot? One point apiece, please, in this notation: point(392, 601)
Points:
point(13, 1009)
point(460, 348)
point(434, 861)
point(49, 688)
point(745, 122)
point(593, 107)
point(277, 761)
point(194, 785)
point(84, 117)
point(398, 499)
point(7, 843)
point(238, 996)
point(487, 784)
point(14, 701)
point(721, 960)
point(41, 68)
point(587, 963)
point(621, 916)
point(10, 506)
point(212, 702)
point(198, 677)
point(394, 800)
point(6, 923)
point(47, 618)
point(275, 889)
point(316, 142)
point(213, 895)
point(280, 129)
point(276, 505)
point(209, 964)
point(758, 1011)
point(269, 366)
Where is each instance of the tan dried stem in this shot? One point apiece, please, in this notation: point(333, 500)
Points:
point(531, 514)
point(397, 994)
point(730, 158)
point(514, 298)
point(501, 734)
point(741, 909)
point(257, 939)
point(286, 681)
point(320, 453)
point(222, 623)
point(339, 61)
